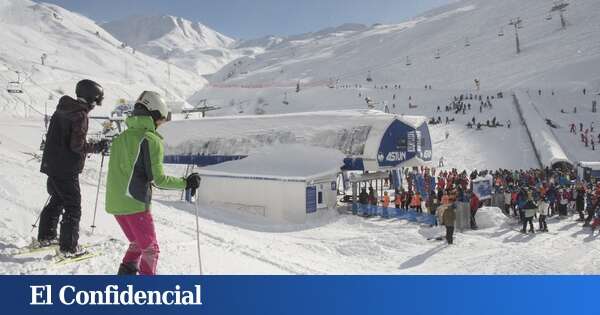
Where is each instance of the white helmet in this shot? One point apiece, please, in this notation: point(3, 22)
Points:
point(154, 103)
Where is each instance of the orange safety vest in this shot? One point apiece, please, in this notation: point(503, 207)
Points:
point(386, 201)
point(416, 201)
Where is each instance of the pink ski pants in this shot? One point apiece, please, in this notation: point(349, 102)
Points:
point(143, 247)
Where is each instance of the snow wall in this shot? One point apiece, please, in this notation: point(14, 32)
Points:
point(370, 140)
point(547, 148)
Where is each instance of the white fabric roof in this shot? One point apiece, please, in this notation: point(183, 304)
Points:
point(282, 161)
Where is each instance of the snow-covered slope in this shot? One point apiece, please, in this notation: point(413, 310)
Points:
point(186, 44)
point(464, 34)
point(331, 244)
point(75, 48)
point(550, 57)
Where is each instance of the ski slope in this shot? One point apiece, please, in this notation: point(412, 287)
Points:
point(74, 52)
point(550, 57)
point(549, 106)
point(333, 243)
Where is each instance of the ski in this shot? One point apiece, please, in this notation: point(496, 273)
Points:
point(68, 260)
point(439, 238)
point(31, 250)
point(34, 250)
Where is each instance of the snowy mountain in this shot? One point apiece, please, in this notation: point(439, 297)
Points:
point(186, 44)
point(471, 37)
point(74, 47)
point(448, 48)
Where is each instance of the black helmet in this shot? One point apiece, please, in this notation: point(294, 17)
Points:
point(90, 91)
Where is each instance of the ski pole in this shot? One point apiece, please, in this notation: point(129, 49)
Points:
point(34, 225)
point(188, 198)
point(93, 226)
point(187, 170)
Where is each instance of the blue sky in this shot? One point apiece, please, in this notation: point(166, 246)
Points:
point(251, 19)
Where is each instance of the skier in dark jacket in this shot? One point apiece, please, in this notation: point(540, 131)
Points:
point(529, 211)
point(363, 200)
point(579, 202)
point(63, 160)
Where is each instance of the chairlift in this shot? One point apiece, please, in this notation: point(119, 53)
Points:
point(549, 17)
point(437, 54)
point(369, 78)
point(408, 63)
point(467, 42)
point(15, 87)
point(501, 33)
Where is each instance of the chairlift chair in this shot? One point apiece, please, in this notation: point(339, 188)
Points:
point(549, 17)
point(501, 33)
point(369, 78)
point(408, 63)
point(437, 54)
point(14, 87)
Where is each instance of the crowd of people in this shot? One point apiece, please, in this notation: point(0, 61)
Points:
point(461, 104)
point(521, 194)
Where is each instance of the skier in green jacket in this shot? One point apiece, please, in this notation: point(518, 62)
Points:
point(135, 166)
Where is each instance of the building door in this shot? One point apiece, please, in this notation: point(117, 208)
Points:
point(311, 199)
point(321, 203)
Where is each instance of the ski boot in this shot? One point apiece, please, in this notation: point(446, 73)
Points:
point(44, 243)
point(127, 269)
point(67, 254)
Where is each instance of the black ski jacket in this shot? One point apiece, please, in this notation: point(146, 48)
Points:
point(66, 146)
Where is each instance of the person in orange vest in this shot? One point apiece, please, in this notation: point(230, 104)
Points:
point(399, 200)
point(416, 202)
point(386, 203)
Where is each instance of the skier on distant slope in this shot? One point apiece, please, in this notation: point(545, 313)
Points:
point(135, 166)
point(63, 160)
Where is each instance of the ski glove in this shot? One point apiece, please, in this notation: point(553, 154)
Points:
point(101, 146)
point(192, 182)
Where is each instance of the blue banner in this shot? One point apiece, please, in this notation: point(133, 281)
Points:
point(266, 295)
point(482, 187)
